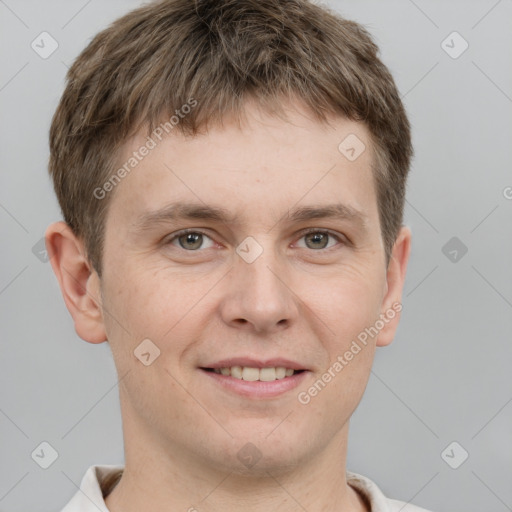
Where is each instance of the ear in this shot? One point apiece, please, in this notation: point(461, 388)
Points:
point(395, 277)
point(79, 282)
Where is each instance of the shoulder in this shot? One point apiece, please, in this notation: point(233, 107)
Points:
point(376, 499)
point(97, 481)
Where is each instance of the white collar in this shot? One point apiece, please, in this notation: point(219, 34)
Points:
point(90, 496)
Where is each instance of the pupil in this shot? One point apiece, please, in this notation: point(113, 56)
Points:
point(192, 240)
point(319, 237)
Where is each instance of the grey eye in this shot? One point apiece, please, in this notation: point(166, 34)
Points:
point(191, 241)
point(317, 240)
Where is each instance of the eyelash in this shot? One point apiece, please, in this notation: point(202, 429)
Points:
point(308, 231)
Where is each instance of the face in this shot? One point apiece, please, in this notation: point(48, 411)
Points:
point(246, 253)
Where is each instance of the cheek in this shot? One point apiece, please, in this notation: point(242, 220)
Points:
point(346, 311)
point(142, 302)
point(346, 304)
point(128, 307)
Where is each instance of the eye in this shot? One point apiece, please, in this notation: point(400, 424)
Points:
point(190, 240)
point(319, 239)
point(193, 240)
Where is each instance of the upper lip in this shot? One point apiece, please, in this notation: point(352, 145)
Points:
point(256, 363)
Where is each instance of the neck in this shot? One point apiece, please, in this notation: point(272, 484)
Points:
point(166, 478)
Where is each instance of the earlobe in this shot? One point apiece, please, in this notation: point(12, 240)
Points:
point(395, 278)
point(79, 282)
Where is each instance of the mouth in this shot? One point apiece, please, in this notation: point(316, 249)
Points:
point(253, 379)
point(253, 374)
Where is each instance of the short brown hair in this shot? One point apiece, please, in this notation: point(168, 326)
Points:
point(151, 61)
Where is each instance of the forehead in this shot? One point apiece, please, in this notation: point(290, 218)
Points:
point(264, 165)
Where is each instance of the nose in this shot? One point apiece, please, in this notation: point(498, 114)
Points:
point(258, 296)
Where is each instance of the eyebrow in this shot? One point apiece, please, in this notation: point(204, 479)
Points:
point(192, 211)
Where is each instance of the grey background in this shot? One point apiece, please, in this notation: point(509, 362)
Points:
point(445, 378)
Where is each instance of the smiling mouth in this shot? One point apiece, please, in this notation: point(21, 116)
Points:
point(252, 374)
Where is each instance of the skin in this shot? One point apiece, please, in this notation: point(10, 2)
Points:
point(297, 300)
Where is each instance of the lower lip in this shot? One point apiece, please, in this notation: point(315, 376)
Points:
point(257, 389)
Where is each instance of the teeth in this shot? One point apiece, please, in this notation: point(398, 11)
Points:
point(250, 374)
point(267, 374)
point(236, 372)
point(280, 372)
point(253, 374)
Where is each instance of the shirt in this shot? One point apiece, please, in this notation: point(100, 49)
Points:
point(99, 481)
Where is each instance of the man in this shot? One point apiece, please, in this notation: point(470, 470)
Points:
point(232, 178)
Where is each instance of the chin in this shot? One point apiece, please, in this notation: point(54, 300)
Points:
point(249, 461)
point(267, 450)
